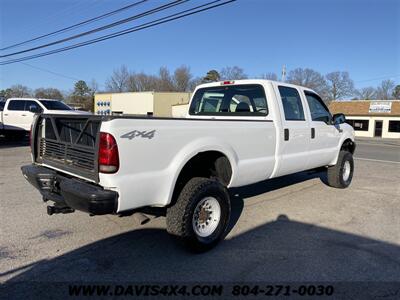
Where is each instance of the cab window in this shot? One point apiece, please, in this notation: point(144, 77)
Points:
point(32, 104)
point(16, 105)
point(318, 110)
point(291, 103)
point(233, 100)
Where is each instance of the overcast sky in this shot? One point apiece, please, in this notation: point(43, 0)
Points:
point(358, 36)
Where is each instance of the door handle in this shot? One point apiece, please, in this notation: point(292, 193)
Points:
point(6, 114)
point(312, 133)
point(286, 134)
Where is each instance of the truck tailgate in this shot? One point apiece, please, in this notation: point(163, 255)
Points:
point(67, 143)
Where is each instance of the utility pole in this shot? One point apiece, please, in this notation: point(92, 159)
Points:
point(283, 78)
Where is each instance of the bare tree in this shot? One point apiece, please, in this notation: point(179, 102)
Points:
point(309, 78)
point(269, 76)
point(165, 81)
point(195, 82)
point(141, 82)
point(232, 73)
point(366, 93)
point(48, 93)
point(18, 91)
point(182, 77)
point(118, 80)
point(133, 84)
point(339, 85)
point(385, 90)
point(93, 86)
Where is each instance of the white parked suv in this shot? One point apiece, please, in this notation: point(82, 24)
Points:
point(17, 114)
point(235, 133)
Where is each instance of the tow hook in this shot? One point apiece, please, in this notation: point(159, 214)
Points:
point(59, 210)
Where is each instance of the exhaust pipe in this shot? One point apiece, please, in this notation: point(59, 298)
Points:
point(141, 218)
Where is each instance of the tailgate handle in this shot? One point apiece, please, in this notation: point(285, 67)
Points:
point(286, 134)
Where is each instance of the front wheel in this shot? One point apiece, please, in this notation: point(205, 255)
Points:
point(200, 215)
point(341, 174)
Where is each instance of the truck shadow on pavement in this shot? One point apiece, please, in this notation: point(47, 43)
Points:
point(283, 250)
point(12, 143)
point(279, 251)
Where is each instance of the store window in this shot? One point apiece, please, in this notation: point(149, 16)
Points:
point(394, 126)
point(359, 125)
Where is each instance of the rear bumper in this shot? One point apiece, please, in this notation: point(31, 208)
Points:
point(71, 192)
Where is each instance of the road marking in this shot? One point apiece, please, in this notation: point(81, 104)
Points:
point(379, 160)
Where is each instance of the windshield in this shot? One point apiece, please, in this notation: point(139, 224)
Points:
point(55, 105)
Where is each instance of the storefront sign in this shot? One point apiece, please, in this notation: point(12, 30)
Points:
point(380, 107)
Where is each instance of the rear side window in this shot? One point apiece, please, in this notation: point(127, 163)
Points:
point(16, 105)
point(55, 105)
point(291, 102)
point(234, 100)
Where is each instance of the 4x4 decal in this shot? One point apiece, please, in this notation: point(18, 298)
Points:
point(136, 133)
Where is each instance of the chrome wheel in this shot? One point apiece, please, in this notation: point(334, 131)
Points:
point(346, 170)
point(206, 216)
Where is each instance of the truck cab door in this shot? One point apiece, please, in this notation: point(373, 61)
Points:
point(294, 136)
point(31, 107)
point(324, 135)
point(14, 115)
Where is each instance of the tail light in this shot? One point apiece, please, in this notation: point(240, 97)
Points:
point(108, 154)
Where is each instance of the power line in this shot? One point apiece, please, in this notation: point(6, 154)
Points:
point(48, 20)
point(377, 78)
point(98, 29)
point(50, 72)
point(156, 22)
point(76, 25)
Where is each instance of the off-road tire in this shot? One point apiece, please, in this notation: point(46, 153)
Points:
point(335, 173)
point(180, 215)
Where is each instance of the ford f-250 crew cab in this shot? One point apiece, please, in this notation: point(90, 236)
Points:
point(235, 133)
point(16, 115)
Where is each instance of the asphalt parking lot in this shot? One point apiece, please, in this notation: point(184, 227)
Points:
point(293, 228)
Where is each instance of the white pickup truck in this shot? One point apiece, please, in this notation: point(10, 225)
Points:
point(235, 133)
point(16, 114)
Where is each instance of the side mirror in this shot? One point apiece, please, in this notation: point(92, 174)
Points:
point(34, 109)
point(338, 119)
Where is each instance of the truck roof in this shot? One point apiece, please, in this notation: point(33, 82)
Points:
point(249, 81)
point(38, 99)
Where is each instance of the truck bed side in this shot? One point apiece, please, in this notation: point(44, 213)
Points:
point(152, 153)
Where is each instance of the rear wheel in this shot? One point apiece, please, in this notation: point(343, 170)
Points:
point(200, 216)
point(341, 174)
